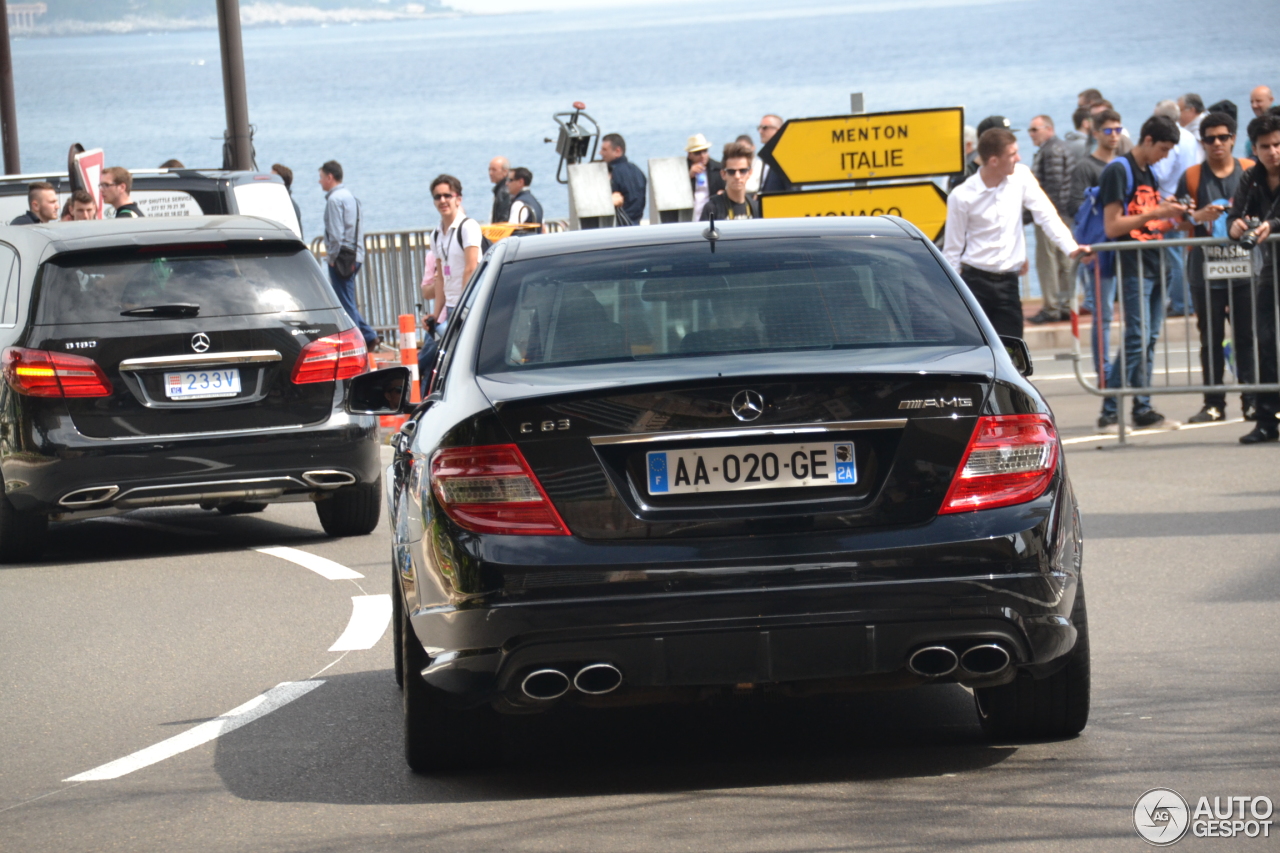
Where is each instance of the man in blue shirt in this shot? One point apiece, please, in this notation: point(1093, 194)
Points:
point(342, 229)
point(628, 181)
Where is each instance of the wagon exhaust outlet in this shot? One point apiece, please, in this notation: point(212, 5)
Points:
point(88, 497)
point(933, 661)
point(597, 679)
point(986, 659)
point(545, 684)
point(328, 479)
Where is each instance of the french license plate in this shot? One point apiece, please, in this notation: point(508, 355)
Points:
point(190, 384)
point(740, 469)
point(1227, 262)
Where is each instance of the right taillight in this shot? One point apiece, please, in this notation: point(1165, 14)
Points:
point(331, 358)
point(39, 373)
point(492, 489)
point(1010, 460)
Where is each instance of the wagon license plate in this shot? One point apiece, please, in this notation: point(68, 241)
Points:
point(191, 384)
point(740, 469)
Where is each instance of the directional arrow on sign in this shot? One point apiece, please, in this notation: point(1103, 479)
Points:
point(871, 146)
point(921, 203)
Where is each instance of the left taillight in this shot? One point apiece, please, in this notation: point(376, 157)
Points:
point(39, 373)
point(1010, 460)
point(331, 358)
point(492, 489)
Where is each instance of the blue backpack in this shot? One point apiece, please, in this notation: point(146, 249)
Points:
point(1090, 224)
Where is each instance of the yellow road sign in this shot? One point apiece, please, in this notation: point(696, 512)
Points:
point(908, 144)
point(920, 203)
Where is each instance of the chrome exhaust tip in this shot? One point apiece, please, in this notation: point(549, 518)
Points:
point(89, 497)
point(986, 659)
point(933, 661)
point(545, 684)
point(598, 679)
point(329, 479)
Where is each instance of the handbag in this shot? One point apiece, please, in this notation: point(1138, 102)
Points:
point(345, 261)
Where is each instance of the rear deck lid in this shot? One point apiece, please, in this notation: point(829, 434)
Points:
point(193, 338)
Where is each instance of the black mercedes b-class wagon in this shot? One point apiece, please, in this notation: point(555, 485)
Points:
point(158, 362)
point(788, 456)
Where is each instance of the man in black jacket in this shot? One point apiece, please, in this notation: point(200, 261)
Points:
point(42, 204)
point(628, 182)
point(525, 209)
point(1258, 197)
point(733, 203)
point(1052, 167)
point(704, 173)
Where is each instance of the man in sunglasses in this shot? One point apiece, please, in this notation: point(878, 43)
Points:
point(456, 245)
point(1212, 185)
point(733, 203)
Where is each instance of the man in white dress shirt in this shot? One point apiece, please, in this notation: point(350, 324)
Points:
point(985, 241)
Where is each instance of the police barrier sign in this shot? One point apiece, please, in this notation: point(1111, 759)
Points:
point(920, 203)
point(909, 144)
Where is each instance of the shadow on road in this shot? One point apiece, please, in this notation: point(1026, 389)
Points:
point(165, 533)
point(341, 744)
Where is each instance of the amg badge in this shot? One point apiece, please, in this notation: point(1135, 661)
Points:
point(937, 403)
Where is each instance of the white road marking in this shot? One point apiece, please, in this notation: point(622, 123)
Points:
point(277, 697)
point(1115, 435)
point(370, 616)
point(327, 569)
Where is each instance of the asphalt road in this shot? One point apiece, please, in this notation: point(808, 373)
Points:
point(138, 630)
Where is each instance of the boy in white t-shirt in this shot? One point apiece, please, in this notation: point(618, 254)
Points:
point(455, 244)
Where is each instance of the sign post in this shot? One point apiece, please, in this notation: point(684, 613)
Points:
point(870, 146)
point(89, 164)
point(920, 203)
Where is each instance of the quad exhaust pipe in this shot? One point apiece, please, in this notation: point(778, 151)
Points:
point(92, 496)
point(937, 661)
point(594, 679)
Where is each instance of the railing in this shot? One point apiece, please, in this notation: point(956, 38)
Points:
point(1247, 299)
point(389, 280)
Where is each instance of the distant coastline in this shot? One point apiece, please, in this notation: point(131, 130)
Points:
point(252, 14)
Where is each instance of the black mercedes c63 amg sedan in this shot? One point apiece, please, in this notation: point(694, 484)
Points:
point(657, 464)
point(158, 362)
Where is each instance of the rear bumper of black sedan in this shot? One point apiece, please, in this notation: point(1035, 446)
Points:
point(1003, 577)
point(74, 475)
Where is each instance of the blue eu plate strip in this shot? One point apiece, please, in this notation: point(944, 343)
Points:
point(658, 482)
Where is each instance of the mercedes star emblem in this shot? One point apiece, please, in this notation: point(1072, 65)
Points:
point(200, 342)
point(747, 405)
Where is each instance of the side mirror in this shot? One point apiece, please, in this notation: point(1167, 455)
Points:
point(382, 392)
point(1018, 353)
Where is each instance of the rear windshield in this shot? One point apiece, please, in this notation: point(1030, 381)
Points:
point(249, 279)
point(682, 300)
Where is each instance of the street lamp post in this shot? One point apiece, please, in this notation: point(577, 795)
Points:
point(239, 150)
point(8, 112)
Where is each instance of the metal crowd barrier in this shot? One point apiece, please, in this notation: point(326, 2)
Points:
point(388, 281)
point(1129, 261)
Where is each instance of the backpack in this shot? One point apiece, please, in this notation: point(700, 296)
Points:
point(1219, 228)
point(485, 242)
point(1090, 224)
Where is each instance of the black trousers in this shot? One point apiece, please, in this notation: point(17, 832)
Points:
point(1268, 404)
point(998, 295)
point(1223, 305)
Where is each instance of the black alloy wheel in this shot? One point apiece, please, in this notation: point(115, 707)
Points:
point(1040, 709)
point(351, 510)
point(22, 534)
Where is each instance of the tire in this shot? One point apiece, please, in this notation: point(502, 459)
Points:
point(352, 510)
point(437, 737)
point(1033, 709)
point(22, 534)
point(397, 625)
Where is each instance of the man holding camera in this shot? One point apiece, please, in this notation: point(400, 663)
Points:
point(1255, 216)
